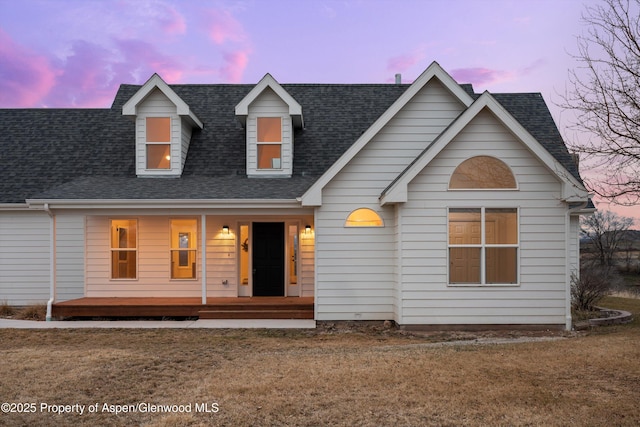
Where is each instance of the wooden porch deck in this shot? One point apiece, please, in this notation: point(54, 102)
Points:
point(215, 308)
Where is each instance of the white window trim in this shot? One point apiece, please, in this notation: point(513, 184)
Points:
point(280, 143)
point(112, 249)
point(194, 249)
point(257, 156)
point(482, 247)
point(249, 259)
point(147, 143)
point(288, 256)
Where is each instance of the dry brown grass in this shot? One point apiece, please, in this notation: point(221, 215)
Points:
point(6, 310)
point(32, 312)
point(329, 377)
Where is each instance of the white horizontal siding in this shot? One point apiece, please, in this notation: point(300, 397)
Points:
point(489, 317)
point(222, 256)
point(185, 140)
point(154, 262)
point(24, 257)
point(307, 261)
point(539, 297)
point(70, 253)
point(360, 264)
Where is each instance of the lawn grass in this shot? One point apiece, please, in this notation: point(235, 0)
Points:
point(328, 377)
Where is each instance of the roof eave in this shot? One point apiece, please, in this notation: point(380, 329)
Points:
point(164, 203)
point(14, 207)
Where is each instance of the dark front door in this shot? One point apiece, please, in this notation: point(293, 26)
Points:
point(268, 259)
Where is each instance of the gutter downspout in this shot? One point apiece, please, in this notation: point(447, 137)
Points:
point(567, 299)
point(52, 280)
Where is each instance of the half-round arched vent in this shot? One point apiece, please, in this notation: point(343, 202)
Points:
point(482, 172)
point(364, 217)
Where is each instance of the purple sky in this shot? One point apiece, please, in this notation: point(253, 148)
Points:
point(75, 53)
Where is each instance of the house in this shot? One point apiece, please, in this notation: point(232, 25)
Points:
point(426, 204)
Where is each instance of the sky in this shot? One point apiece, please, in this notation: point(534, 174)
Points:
point(75, 53)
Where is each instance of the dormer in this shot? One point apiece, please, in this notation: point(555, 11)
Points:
point(164, 123)
point(269, 115)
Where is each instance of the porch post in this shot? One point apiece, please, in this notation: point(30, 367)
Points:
point(204, 258)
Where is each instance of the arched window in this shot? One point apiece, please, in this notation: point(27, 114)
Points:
point(482, 172)
point(363, 217)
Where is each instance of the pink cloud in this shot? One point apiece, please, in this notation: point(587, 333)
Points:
point(90, 73)
point(228, 33)
point(224, 27)
point(402, 63)
point(480, 76)
point(487, 76)
point(235, 64)
point(25, 77)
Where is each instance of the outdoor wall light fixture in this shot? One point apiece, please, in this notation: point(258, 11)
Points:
point(307, 229)
point(225, 229)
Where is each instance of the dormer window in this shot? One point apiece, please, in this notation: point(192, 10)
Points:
point(269, 130)
point(270, 115)
point(164, 124)
point(158, 142)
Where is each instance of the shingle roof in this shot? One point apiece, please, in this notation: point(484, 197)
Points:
point(42, 148)
point(534, 115)
point(89, 153)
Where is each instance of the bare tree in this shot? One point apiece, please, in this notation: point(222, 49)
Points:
point(593, 284)
point(605, 229)
point(604, 93)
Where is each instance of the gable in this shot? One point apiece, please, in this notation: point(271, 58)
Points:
point(313, 197)
point(486, 135)
point(397, 143)
point(268, 102)
point(572, 188)
point(269, 83)
point(155, 83)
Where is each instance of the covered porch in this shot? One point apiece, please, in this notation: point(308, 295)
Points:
point(202, 256)
point(214, 308)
